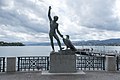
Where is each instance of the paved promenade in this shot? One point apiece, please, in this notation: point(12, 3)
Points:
point(90, 75)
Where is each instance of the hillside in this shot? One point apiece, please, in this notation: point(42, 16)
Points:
point(2, 43)
point(108, 42)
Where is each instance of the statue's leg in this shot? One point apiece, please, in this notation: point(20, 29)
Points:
point(51, 40)
point(58, 41)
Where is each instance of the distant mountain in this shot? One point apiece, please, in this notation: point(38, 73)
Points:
point(108, 42)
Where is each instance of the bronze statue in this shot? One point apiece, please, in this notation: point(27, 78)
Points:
point(68, 43)
point(54, 29)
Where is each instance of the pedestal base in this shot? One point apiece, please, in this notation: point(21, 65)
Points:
point(63, 62)
point(76, 73)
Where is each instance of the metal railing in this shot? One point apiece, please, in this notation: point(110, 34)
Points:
point(2, 64)
point(90, 63)
point(33, 63)
point(36, 63)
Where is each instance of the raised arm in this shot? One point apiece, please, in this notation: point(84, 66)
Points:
point(49, 11)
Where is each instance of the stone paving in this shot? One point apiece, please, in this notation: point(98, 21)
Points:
point(90, 75)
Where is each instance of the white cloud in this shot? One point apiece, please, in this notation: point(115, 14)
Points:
point(81, 19)
point(95, 13)
point(6, 4)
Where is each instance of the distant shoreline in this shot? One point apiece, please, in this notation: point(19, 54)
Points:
point(108, 42)
point(2, 43)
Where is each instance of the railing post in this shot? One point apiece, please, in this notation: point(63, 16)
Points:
point(18, 68)
point(117, 62)
point(110, 63)
point(103, 63)
point(3, 64)
point(47, 63)
point(0, 64)
point(11, 64)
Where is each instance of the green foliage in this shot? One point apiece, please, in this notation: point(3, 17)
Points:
point(2, 43)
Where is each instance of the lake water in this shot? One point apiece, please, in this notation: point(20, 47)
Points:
point(16, 51)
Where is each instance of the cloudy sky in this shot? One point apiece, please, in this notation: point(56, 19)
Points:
point(27, 21)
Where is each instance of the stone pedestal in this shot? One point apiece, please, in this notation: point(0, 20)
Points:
point(110, 63)
point(63, 62)
point(11, 64)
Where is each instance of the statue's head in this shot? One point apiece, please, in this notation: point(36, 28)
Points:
point(67, 36)
point(55, 18)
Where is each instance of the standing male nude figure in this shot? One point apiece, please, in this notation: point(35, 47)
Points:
point(53, 29)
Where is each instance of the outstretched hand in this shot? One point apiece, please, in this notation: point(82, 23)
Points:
point(62, 36)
